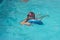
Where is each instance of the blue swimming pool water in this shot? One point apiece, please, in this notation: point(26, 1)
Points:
point(12, 12)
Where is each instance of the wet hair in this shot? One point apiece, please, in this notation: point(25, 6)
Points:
point(31, 13)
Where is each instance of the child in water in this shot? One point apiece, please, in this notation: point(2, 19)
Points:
point(31, 15)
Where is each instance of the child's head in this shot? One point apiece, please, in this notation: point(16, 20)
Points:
point(31, 14)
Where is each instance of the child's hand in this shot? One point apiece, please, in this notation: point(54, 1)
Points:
point(23, 22)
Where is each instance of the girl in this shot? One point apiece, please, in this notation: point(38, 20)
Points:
point(31, 15)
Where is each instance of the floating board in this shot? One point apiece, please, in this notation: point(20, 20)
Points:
point(35, 21)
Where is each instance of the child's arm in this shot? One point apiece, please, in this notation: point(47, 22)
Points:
point(24, 22)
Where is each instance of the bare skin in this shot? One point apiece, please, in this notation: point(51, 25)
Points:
point(24, 22)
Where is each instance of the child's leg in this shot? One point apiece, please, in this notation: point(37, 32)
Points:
point(43, 17)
